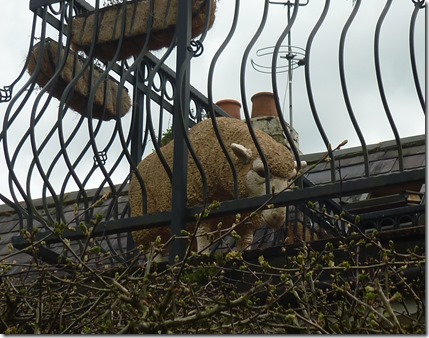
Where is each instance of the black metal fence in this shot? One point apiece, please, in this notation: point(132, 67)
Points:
point(89, 104)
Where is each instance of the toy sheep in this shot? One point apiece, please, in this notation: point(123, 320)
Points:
point(250, 172)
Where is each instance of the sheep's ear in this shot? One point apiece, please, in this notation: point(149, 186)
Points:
point(243, 153)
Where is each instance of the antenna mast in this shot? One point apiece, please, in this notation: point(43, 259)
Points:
point(290, 56)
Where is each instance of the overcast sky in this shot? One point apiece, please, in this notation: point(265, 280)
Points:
point(359, 67)
point(16, 21)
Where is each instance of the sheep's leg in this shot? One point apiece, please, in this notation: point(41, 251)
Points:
point(203, 241)
point(245, 242)
point(159, 258)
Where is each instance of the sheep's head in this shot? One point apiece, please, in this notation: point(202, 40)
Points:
point(280, 178)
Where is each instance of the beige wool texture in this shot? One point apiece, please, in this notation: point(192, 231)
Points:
point(137, 13)
point(104, 106)
point(218, 174)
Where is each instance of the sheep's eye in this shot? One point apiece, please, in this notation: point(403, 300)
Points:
point(260, 172)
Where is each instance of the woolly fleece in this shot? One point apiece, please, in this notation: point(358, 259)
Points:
point(217, 170)
point(79, 96)
point(137, 13)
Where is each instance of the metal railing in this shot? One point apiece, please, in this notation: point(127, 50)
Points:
point(58, 151)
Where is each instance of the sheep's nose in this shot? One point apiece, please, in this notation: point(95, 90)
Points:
point(275, 217)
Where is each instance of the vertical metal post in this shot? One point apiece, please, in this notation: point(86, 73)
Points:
point(289, 42)
point(137, 123)
point(137, 139)
point(180, 115)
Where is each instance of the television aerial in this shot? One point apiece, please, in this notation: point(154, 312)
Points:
point(294, 56)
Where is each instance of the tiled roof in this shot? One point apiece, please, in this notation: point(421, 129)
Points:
point(382, 157)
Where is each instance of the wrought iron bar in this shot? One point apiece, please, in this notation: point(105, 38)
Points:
point(7, 91)
point(286, 32)
point(244, 98)
point(180, 127)
point(380, 82)
point(136, 129)
point(36, 4)
point(344, 85)
point(210, 96)
point(417, 6)
point(310, 91)
point(13, 179)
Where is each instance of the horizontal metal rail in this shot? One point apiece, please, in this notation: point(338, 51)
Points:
point(296, 197)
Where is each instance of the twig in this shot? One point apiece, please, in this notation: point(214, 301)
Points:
point(387, 306)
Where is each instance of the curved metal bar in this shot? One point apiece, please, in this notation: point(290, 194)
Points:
point(310, 92)
point(380, 82)
point(96, 85)
point(244, 99)
point(38, 150)
point(417, 6)
point(196, 46)
point(64, 106)
point(161, 109)
point(277, 47)
point(138, 66)
point(23, 140)
point(8, 90)
point(99, 161)
point(149, 124)
point(59, 11)
point(182, 149)
point(209, 9)
point(118, 127)
point(149, 114)
point(344, 85)
point(210, 96)
point(56, 159)
point(183, 125)
point(182, 146)
point(77, 161)
point(8, 122)
point(13, 179)
point(99, 192)
point(190, 146)
point(36, 162)
point(139, 136)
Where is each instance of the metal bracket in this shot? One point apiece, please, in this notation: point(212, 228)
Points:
point(6, 94)
point(36, 4)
